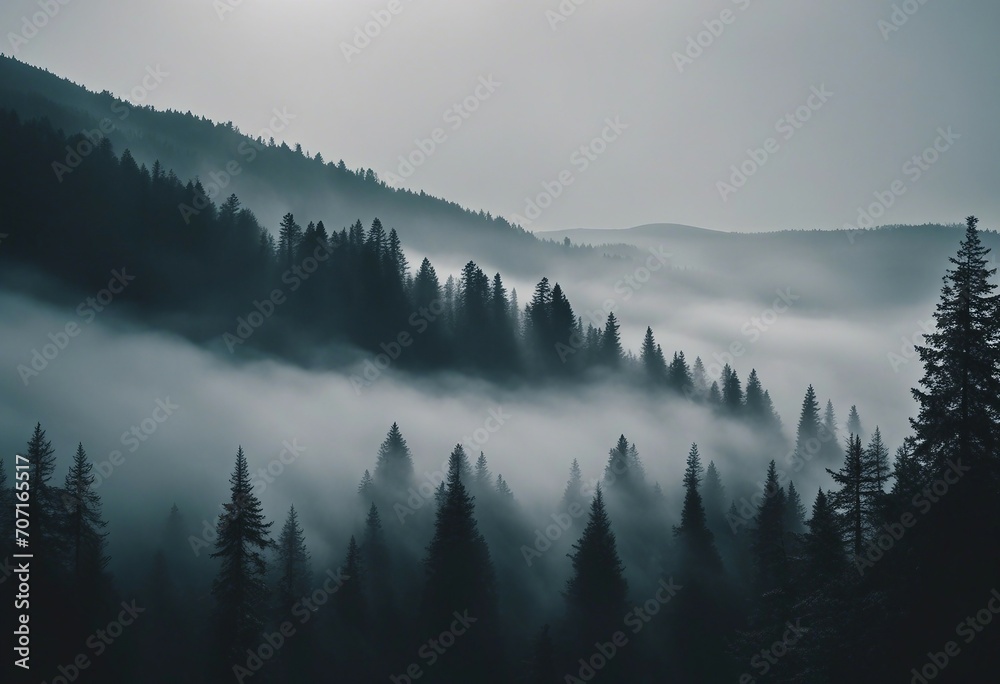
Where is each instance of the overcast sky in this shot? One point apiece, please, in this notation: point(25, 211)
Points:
point(560, 77)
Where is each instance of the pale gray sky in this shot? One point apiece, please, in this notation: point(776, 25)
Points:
point(558, 83)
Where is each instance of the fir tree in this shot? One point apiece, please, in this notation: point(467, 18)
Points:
point(394, 467)
point(854, 422)
point(573, 493)
point(850, 498)
point(795, 512)
point(611, 344)
point(83, 526)
point(823, 544)
point(678, 374)
point(697, 545)
point(652, 359)
point(240, 590)
point(714, 497)
point(959, 398)
point(460, 577)
point(597, 590)
point(295, 579)
point(807, 443)
point(770, 558)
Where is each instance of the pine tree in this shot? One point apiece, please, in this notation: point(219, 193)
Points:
point(699, 380)
point(768, 546)
point(377, 561)
point(295, 579)
point(652, 359)
point(714, 497)
point(460, 577)
point(959, 399)
point(83, 526)
point(366, 488)
point(714, 395)
point(503, 489)
point(807, 443)
point(611, 344)
point(854, 422)
point(289, 237)
point(483, 477)
point(732, 392)
point(795, 512)
point(573, 493)
point(850, 498)
point(394, 467)
point(678, 373)
point(596, 592)
point(830, 443)
point(350, 600)
point(45, 513)
point(240, 590)
point(877, 473)
point(753, 401)
point(823, 544)
point(695, 540)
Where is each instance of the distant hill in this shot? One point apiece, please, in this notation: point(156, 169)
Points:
point(270, 179)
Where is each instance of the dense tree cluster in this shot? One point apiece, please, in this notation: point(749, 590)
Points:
point(450, 578)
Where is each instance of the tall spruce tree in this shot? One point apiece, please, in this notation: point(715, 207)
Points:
point(295, 575)
point(849, 499)
point(824, 546)
point(240, 590)
point(611, 344)
point(807, 442)
point(768, 545)
point(959, 398)
point(695, 541)
point(714, 498)
point(394, 466)
point(597, 590)
point(460, 577)
point(83, 527)
point(854, 422)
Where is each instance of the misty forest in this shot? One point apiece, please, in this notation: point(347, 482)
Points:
point(368, 435)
